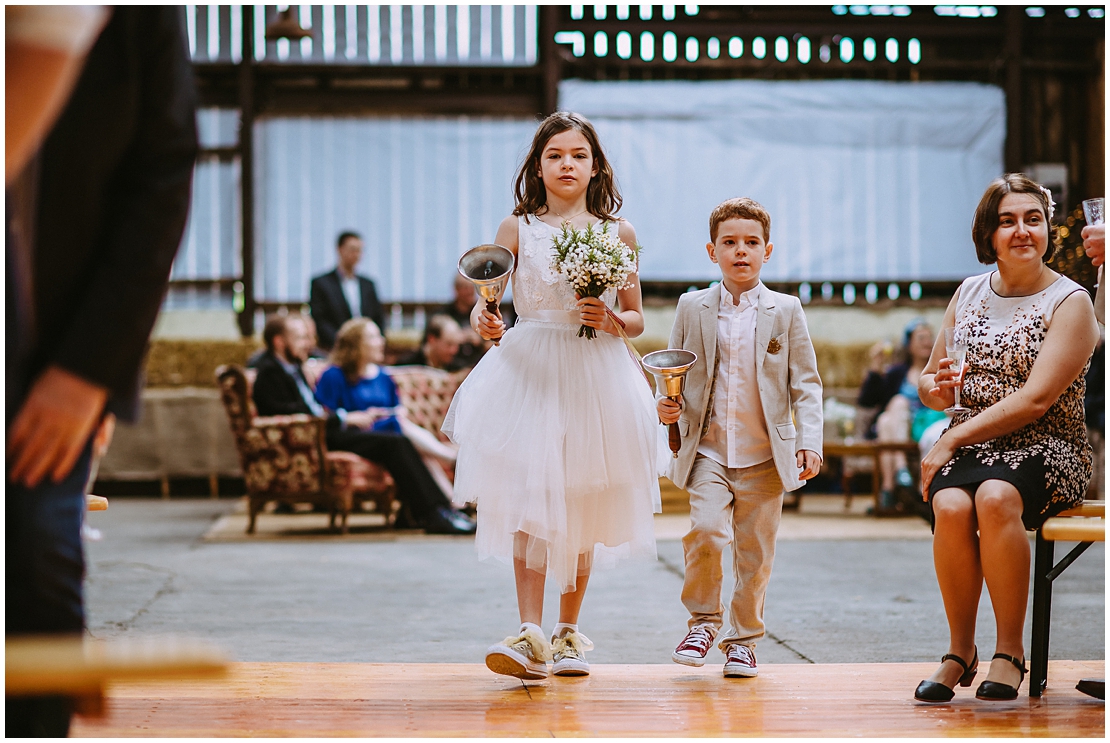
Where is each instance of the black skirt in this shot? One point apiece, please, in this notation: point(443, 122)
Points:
point(1051, 475)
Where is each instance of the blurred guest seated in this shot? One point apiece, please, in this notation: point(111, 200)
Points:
point(472, 346)
point(337, 296)
point(281, 389)
point(440, 345)
point(357, 382)
point(314, 363)
point(902, 416)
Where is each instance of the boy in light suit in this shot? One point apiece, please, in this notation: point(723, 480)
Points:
point(751, 429)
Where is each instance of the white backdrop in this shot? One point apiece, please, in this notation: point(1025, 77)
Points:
point(863, 180)
point(419, 190)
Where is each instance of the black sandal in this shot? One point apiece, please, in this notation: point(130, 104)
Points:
point(993, 690)
point(934, 691)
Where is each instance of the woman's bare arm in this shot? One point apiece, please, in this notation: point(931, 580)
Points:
point(630, 299)
point(937, 383)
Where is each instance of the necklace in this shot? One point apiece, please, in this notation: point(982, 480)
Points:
point(572, 216)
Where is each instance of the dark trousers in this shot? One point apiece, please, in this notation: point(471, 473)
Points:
point(415, 486)
point(45, 567)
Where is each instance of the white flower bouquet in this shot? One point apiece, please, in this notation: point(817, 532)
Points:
point(593, 261)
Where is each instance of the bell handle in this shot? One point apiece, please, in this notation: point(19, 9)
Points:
point(492, 308)
point(674, 437)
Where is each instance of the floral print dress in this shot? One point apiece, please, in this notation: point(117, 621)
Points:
point(1049, 460)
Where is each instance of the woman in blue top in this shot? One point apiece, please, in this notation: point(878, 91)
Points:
point(356, 381)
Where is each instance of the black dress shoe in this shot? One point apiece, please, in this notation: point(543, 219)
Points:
point(934, 691)
point(450, 521)
point(1092, 687)
point(994, 691)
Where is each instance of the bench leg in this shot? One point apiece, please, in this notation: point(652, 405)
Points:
point(876, 483)
point(1042, 606)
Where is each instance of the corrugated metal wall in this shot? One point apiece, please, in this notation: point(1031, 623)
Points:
point(372, 34)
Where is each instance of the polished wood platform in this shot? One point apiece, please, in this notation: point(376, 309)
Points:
point(427, 700)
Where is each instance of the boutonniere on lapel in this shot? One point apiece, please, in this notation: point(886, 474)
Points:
point(773, 346)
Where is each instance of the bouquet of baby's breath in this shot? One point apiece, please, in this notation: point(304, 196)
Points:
point(593, 261)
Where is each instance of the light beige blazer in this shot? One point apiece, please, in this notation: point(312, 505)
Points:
point(786, 372)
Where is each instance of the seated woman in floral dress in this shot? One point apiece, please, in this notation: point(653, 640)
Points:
point(1018, 453)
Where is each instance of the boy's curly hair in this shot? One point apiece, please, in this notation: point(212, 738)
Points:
point(739, 208)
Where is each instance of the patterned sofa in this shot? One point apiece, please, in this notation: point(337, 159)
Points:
point(284, 458)
point(426, 393)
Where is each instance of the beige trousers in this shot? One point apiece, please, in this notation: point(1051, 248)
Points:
point(741, 506)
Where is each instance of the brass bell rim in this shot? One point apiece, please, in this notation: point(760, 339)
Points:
point(510, 262)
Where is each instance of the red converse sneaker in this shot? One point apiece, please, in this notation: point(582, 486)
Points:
point(691, 651)
point(740, 662)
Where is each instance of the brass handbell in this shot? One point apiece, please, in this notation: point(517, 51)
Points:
point(488, 267)
point(669, 368)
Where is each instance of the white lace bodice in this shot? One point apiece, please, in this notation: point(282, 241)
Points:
point(536, 285)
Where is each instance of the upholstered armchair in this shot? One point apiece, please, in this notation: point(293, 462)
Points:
point(284, 458)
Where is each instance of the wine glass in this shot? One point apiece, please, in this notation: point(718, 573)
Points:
point(1094, 210)
point(955, 345)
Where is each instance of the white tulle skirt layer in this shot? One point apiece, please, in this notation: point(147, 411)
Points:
point(558, 441)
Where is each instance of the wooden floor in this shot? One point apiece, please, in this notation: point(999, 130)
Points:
point(396, 700)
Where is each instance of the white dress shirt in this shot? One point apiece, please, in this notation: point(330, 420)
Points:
point(737, 435)
point(352, 292)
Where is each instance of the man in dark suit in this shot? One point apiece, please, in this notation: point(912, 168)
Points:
point(101, 231)
point(281, 389)
point(338, 296)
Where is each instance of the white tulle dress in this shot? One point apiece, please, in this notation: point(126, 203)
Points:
point(557, 434)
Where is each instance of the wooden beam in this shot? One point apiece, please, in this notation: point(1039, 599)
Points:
point(246, 174)
point(1015, 115)
point(550, 57)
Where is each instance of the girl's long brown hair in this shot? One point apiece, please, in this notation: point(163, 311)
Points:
point(603, 198)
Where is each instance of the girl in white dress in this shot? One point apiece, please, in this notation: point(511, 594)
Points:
point(557, 434)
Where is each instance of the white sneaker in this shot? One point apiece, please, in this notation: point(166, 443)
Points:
point(691, 651)
point(569, 654)
point(524, 656)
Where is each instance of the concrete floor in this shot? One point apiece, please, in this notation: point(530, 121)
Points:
point(427, 599)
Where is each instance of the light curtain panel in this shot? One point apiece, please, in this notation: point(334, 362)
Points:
point(864, 180)
point(420, 190)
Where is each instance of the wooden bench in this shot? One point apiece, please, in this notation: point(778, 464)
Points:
point(874, 450)
point(81, 667)
point(1085, 524)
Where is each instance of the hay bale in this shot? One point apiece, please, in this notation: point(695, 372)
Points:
point(192, 363)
